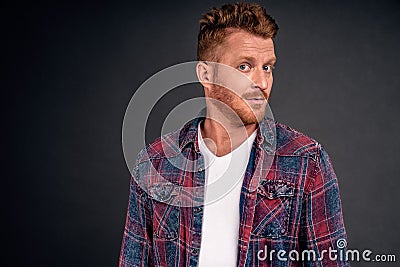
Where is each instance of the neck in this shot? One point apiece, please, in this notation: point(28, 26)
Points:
point(222, 136)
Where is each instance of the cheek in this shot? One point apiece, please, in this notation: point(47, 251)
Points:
point(233, 81)
point(222, 94)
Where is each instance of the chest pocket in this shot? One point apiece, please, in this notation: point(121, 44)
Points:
point(272, 210)
point(166, 215)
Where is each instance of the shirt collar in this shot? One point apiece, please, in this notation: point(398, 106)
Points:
point(265, 139)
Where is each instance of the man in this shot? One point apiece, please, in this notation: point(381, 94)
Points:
point(235, 188)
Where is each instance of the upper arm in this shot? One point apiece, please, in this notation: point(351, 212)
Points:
point(136, 241)
point(322, 225)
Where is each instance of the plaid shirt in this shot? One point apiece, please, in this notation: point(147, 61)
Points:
point(289, 201)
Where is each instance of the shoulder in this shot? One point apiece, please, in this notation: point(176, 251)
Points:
point(167, 145)
point(290, 142)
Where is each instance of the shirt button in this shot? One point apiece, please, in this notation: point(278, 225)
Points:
point(195, 251)
point(197, 209)
point(200, 169)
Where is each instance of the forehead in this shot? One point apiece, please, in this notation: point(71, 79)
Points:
point(239, 42)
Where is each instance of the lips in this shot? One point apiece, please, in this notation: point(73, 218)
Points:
point(256, 100)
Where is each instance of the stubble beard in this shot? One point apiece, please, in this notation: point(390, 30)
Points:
point(235, 108)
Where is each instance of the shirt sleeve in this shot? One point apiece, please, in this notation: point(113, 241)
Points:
point(136, 241)
point(322, 228)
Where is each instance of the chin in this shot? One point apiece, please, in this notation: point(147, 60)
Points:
point(256, 115)
point(252, 117)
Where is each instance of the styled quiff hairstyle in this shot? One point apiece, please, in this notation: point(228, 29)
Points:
point(217, 24)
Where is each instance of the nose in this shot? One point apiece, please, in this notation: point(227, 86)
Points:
point(260, 79)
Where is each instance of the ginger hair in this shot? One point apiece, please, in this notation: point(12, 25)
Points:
point(217, 24)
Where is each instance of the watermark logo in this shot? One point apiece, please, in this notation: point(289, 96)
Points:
point(145, 98)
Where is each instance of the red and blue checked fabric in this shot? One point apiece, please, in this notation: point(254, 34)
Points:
point(290, 207)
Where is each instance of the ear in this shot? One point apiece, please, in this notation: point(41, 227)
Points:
point(204, 72)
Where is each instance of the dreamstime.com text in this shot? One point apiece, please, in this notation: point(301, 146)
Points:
point(341, 254)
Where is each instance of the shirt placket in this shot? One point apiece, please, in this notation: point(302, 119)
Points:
point(197, 215)
point(249, 194)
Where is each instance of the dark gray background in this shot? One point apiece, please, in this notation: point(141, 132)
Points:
point(70, 71)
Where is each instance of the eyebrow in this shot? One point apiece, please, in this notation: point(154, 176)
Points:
point(271, 60)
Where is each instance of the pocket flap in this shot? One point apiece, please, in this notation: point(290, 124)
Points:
point(276, 188)
point(163, 192)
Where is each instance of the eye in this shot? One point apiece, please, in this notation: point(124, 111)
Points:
point(244, 67)
point(268, 68)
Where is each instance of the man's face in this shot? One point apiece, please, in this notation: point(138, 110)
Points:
point(246, 84)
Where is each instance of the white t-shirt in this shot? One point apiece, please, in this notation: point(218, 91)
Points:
point(220, 229)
